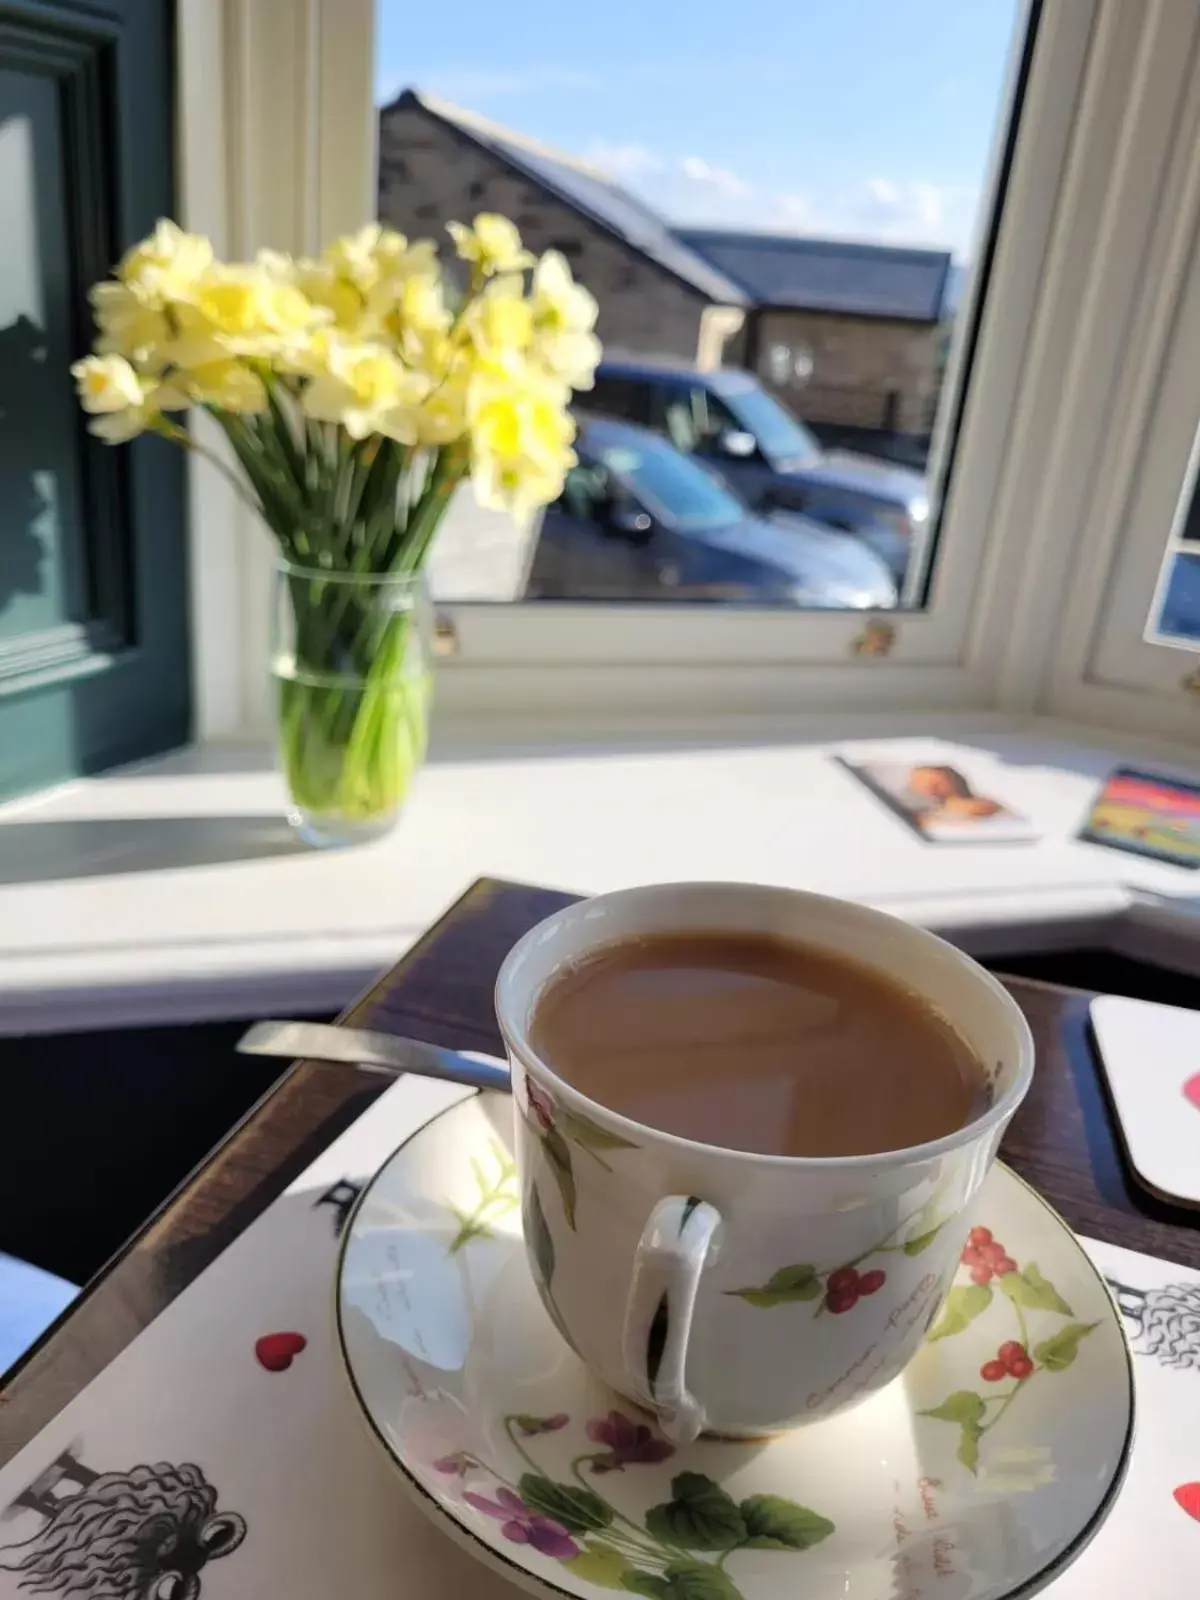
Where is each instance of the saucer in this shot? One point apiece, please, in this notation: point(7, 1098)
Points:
point(977, 1475)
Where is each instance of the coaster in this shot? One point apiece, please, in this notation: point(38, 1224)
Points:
point(1151, 1058)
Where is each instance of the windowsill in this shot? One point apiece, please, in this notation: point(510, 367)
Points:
point(171, 891)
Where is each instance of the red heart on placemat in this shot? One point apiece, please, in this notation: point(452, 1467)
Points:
point(1187, 1498)
point(1191, 1090)
point(276, 1350)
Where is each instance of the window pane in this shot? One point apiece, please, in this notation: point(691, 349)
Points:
point(1179, 616)
point(1175, 617)
point(778, 215)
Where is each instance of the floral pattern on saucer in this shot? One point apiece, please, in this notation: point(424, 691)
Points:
point(946, 1485)
point(677, 1551)
point(1016, 1362)
point(496, 1181)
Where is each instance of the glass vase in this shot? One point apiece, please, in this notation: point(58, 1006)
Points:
point(351, 658)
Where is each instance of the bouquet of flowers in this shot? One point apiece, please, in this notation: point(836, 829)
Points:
point(356, 391)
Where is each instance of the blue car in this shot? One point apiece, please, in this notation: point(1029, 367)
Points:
point(639, 521)
point(728, 420)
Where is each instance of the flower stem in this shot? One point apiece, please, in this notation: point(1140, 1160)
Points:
point(509, 1426)
point(180, 436)
point(641, 1537)
point(1005, 1402)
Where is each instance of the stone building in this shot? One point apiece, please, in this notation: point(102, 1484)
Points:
point(657, 295)
point(850, 335)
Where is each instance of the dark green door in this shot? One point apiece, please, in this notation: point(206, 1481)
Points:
point(93, 612)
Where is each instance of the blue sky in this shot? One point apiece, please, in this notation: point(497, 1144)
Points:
point(857, 118)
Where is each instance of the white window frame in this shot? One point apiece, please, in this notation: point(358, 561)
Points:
point(277, 129)
point(278, 148)
point(1120, 453)
point(1108, 666)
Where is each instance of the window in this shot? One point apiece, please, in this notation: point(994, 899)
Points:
point(779, 436)
point(620, 397)
point(1179, 610)
point(1049, 421)
point(788, 366)
point(670, 487)
point(719, 265)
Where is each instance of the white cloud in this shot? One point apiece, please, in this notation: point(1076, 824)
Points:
point(885, 210)
point(681, 188)
point(702, 172)
point(692, 189)
point(917, 210)
point(796, 211)
point(623, 160)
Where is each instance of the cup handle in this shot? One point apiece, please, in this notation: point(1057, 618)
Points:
point(677, 1243)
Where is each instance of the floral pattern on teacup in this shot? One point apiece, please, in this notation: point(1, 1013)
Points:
point(838, 1289)
point(558, 1130)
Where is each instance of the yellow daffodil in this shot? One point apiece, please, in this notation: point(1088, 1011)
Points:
point(229, 385)
point(119, 426)
point(515, 486)
point(492, 244)
point(500, 322)
point(362, 338)
point(375, 279)
point(413, 313)
point(355, 256)
point(564, 314)
point(106, 383)
point(339, 297)
point(521, 435)
point(363, 387)
point(129, 325)
point(139, 410)
point(167, 264)
point(247, 311)
point(399, 259)
point(442, 415)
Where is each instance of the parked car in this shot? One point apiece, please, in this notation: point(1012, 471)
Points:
point(639, 521)
point(728, 419)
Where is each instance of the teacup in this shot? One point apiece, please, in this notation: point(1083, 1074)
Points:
point(696, 1281)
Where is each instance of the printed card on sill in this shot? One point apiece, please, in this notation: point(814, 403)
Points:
point(941, 803)
point(1147, 814)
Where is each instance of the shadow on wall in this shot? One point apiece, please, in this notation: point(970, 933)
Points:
point(24, 378)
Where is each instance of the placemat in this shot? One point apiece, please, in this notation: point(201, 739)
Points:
point(223, 1445)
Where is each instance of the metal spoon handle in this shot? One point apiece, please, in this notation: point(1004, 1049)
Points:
point(384, 1052)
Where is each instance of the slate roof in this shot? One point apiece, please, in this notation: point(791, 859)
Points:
point(865, 280)
point(591, 192)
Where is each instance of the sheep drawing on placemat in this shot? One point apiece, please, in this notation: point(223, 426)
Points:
point(150, 1530)
point(1165, 1321)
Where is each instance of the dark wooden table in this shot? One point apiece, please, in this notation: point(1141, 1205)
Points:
point(1062, 1141)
